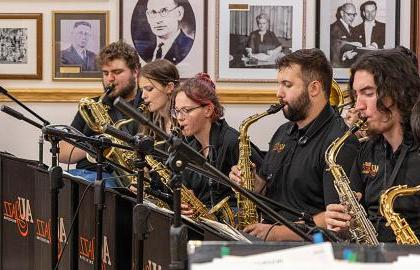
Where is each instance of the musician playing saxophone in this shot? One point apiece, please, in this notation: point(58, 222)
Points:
point(200, 116)
point(294, 170)
point(385, 86)
point(120, 67)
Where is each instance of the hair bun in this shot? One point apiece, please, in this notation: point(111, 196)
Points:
point(202, 76)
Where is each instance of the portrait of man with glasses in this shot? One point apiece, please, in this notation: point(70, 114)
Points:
point(77, 54)
point(341, 35)
point(168, 35)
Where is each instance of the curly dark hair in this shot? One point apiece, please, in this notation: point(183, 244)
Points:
point(395, 76)
point(119, 50)
point(313, 65)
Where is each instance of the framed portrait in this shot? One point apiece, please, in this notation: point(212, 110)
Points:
point(77, 38)
point(175, 30)
point(349, 29)
point(21, 46)
point(252, 34)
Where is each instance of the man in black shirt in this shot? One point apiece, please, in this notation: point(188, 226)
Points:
point(294, 170)
point(386, 86)
point(120, 66)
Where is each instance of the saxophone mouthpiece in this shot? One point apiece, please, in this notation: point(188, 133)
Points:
point(109, 88)
point(275, 108)
point(361, 122)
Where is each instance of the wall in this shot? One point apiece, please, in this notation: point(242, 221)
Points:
point(21, 139)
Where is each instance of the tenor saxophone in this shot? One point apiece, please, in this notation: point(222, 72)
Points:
point(402, 230)
point(187, 196)
point(361, 229)
point(247, 211)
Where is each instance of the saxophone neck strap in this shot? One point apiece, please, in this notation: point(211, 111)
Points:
point(390, 181)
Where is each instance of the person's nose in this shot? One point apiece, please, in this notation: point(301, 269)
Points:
point(143, 94)
point(110, 77)
point(280, 93)
point(360, 105)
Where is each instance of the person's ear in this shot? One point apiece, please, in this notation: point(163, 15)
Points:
point(170, 88)
point(180, 13)
point(314, 88)
point(209, 110)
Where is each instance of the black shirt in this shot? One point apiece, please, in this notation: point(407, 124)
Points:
point(371, 173)
point(295, 168)
point(80, 124)
point(223, 154)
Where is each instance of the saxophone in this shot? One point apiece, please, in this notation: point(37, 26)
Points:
point(247, 211)
point(96, 116)
point(361, 229)
point(187, 196)
point(402, 230)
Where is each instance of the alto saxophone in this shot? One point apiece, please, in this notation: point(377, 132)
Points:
point(187, 196)
point(361, 229)
point(402, 230)
point(247, 211)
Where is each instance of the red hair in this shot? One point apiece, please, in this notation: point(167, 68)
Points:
point(202, 90)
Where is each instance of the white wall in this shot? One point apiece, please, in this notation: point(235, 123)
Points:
point(21, 139)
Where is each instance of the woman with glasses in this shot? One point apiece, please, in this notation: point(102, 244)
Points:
point(158, 80)
point(199, 114)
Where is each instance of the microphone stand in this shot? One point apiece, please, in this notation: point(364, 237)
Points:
point(45, 123)
point(143, 145)
point(183, 153)
point(100, 144)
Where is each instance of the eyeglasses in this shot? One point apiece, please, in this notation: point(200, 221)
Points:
point(163, 12)
point(82, 33)
point(183, 111)
point(350, 14)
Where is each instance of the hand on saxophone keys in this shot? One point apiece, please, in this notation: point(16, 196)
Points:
point(235, 173)
point(336, 217)
point(187, 210)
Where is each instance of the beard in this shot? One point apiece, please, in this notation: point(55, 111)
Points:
point(126, 91)
point(298, 110)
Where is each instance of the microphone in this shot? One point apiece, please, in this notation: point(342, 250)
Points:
point(143, 144)
point(19, 116)
point(3, 91)
point(12, 112)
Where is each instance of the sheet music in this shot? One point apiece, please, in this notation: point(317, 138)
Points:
point(228, 230)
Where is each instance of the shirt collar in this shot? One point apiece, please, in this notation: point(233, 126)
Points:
point(306, 133)
point(167, 43)
point(370, 23)
point(345, 25)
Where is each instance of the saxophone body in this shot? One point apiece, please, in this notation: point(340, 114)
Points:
point(402, 230)
point(187, 196)
point(247, 211)
point(96, 116)
point(361, 229)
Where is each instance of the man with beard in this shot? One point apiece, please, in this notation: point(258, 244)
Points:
point(294, 172)
point(120, 66)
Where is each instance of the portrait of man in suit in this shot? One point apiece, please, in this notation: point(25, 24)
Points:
point(78, 54)
point(341, 35)
point(165, 39)
point(371, 32)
